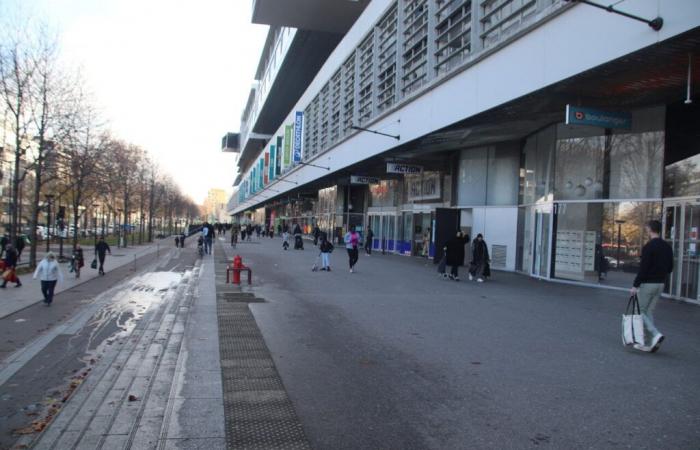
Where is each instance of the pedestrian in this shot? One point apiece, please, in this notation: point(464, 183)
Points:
point(654, 268)
point(4, 240)
point(454, 254)
point(234, 238)
point(10, 273)
point(368, 241)
point(479, 267)
point(316, 233)
point(352, 240)
point(426, 243)
point(19, 245)
point(206, 233)
point(271, 232)
point(177, 241)
point(182, 240)
point(102, 248)
point(49, 273)
point(326, 249)
point(78, 260)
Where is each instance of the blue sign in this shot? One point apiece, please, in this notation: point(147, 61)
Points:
point(576, 115)
point(298, 122)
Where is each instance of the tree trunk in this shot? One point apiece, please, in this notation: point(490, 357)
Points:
point(34, 222)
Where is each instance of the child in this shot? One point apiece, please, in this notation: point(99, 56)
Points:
point(326, 249)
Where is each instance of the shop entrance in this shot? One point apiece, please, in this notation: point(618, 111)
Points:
point(384, 227)
point(681, 230)
point(542, 236)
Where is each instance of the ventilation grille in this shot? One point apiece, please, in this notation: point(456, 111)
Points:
point(498, 255)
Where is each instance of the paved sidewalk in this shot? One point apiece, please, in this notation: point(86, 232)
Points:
point(15, 299)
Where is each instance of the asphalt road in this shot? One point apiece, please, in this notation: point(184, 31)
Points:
point(391, 357)
point(59, 365)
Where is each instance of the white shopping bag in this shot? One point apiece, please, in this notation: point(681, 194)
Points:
point(632, 323)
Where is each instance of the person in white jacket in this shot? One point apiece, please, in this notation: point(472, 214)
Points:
point(49, 272)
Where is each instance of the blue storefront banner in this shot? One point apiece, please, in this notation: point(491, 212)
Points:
point(273, 162)
point(298, 127)
point(577, 115)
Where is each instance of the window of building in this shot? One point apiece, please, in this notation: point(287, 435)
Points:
point(386, 59)
point(537, 172)
point(335, 107)
point(348, 80)
point(366, 78)
point(415, 45)
point(452, 33)
point(682, 170)
point(501, 17)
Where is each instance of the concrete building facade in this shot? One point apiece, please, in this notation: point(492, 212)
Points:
point(554, 128)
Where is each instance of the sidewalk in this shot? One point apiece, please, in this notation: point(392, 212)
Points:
point(15, 299)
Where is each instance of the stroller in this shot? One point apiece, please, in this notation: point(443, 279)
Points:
point(298, 242)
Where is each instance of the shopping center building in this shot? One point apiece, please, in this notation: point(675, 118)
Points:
point(554, 128)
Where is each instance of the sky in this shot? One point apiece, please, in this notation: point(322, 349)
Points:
point(171, 76)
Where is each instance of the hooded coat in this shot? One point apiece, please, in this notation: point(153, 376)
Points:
point(455, 250)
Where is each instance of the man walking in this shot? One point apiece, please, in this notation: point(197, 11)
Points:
point(101, 249)
point(368, 241)
point(206, 232)
point(656, 265)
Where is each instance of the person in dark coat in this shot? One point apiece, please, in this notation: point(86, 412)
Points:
point(480, 260)
point(19, 245)
point(10, 267)
point(102, 248)
point(454, 251)
point(368, 241)
point(4, 240)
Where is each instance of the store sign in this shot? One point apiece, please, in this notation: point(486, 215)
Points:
point(359, 179)
point(423, 187)
point(576, 115)
point(298, 123)
point(287, 146)
point(403, 168)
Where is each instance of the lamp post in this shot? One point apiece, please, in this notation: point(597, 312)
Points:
point(619, 240)
point(119, 227)
point(103, 220)
point(94, 223)
point(49, 197)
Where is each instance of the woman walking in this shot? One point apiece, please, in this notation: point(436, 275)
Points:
point(326, 248)
point(49, 273)
point(352, 240)
point(480, 260)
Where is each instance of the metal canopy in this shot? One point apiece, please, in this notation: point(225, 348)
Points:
point(334, 16)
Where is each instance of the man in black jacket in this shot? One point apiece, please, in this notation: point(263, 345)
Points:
point(656, 265)
point(101, 249)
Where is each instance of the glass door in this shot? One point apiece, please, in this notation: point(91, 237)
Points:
point(541, 243)
point(682, 232)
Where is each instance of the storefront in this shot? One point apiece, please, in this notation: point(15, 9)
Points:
point(587, 192)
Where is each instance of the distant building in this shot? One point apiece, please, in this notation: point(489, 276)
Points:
point(215, 206)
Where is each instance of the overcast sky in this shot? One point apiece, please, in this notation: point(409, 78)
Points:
point(171, 76)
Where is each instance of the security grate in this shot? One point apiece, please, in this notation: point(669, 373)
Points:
point(499, 253)
point(386, 60)
point(348, 80)
point(366, 77)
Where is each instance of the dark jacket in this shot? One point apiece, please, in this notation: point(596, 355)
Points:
point(326, 246)
point(455, 250)
point(657, 262)
point(102, 248)
point(480, 252)
point(11, 258)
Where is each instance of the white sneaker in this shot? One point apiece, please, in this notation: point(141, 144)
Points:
point(642, 348)
point(479, 280)
point(656, 342)
point(351, 271)
point(471, 278)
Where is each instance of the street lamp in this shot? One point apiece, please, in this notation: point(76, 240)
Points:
point(49, 197)
point(119, 227)
point(94, 223)
point(619, 240)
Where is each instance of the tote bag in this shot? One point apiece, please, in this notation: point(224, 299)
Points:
point(632, 323)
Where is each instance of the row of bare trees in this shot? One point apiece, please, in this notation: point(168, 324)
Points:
point(55, 145)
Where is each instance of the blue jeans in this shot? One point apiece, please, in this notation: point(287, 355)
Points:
point(648, 295)
point(207, 245)
point(325, 260)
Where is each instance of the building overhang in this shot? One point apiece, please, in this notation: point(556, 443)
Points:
point(333, 16)
point(231, 143)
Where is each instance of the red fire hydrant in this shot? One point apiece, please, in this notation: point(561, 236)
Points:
point(237, 265)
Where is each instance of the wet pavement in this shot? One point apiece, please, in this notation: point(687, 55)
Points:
point(60, 363)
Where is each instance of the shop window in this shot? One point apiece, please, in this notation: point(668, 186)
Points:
point(682, 171)
point(601, 242)
point(502, 175)
point(383, 194)
point(537, 172)
point(471, 182)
